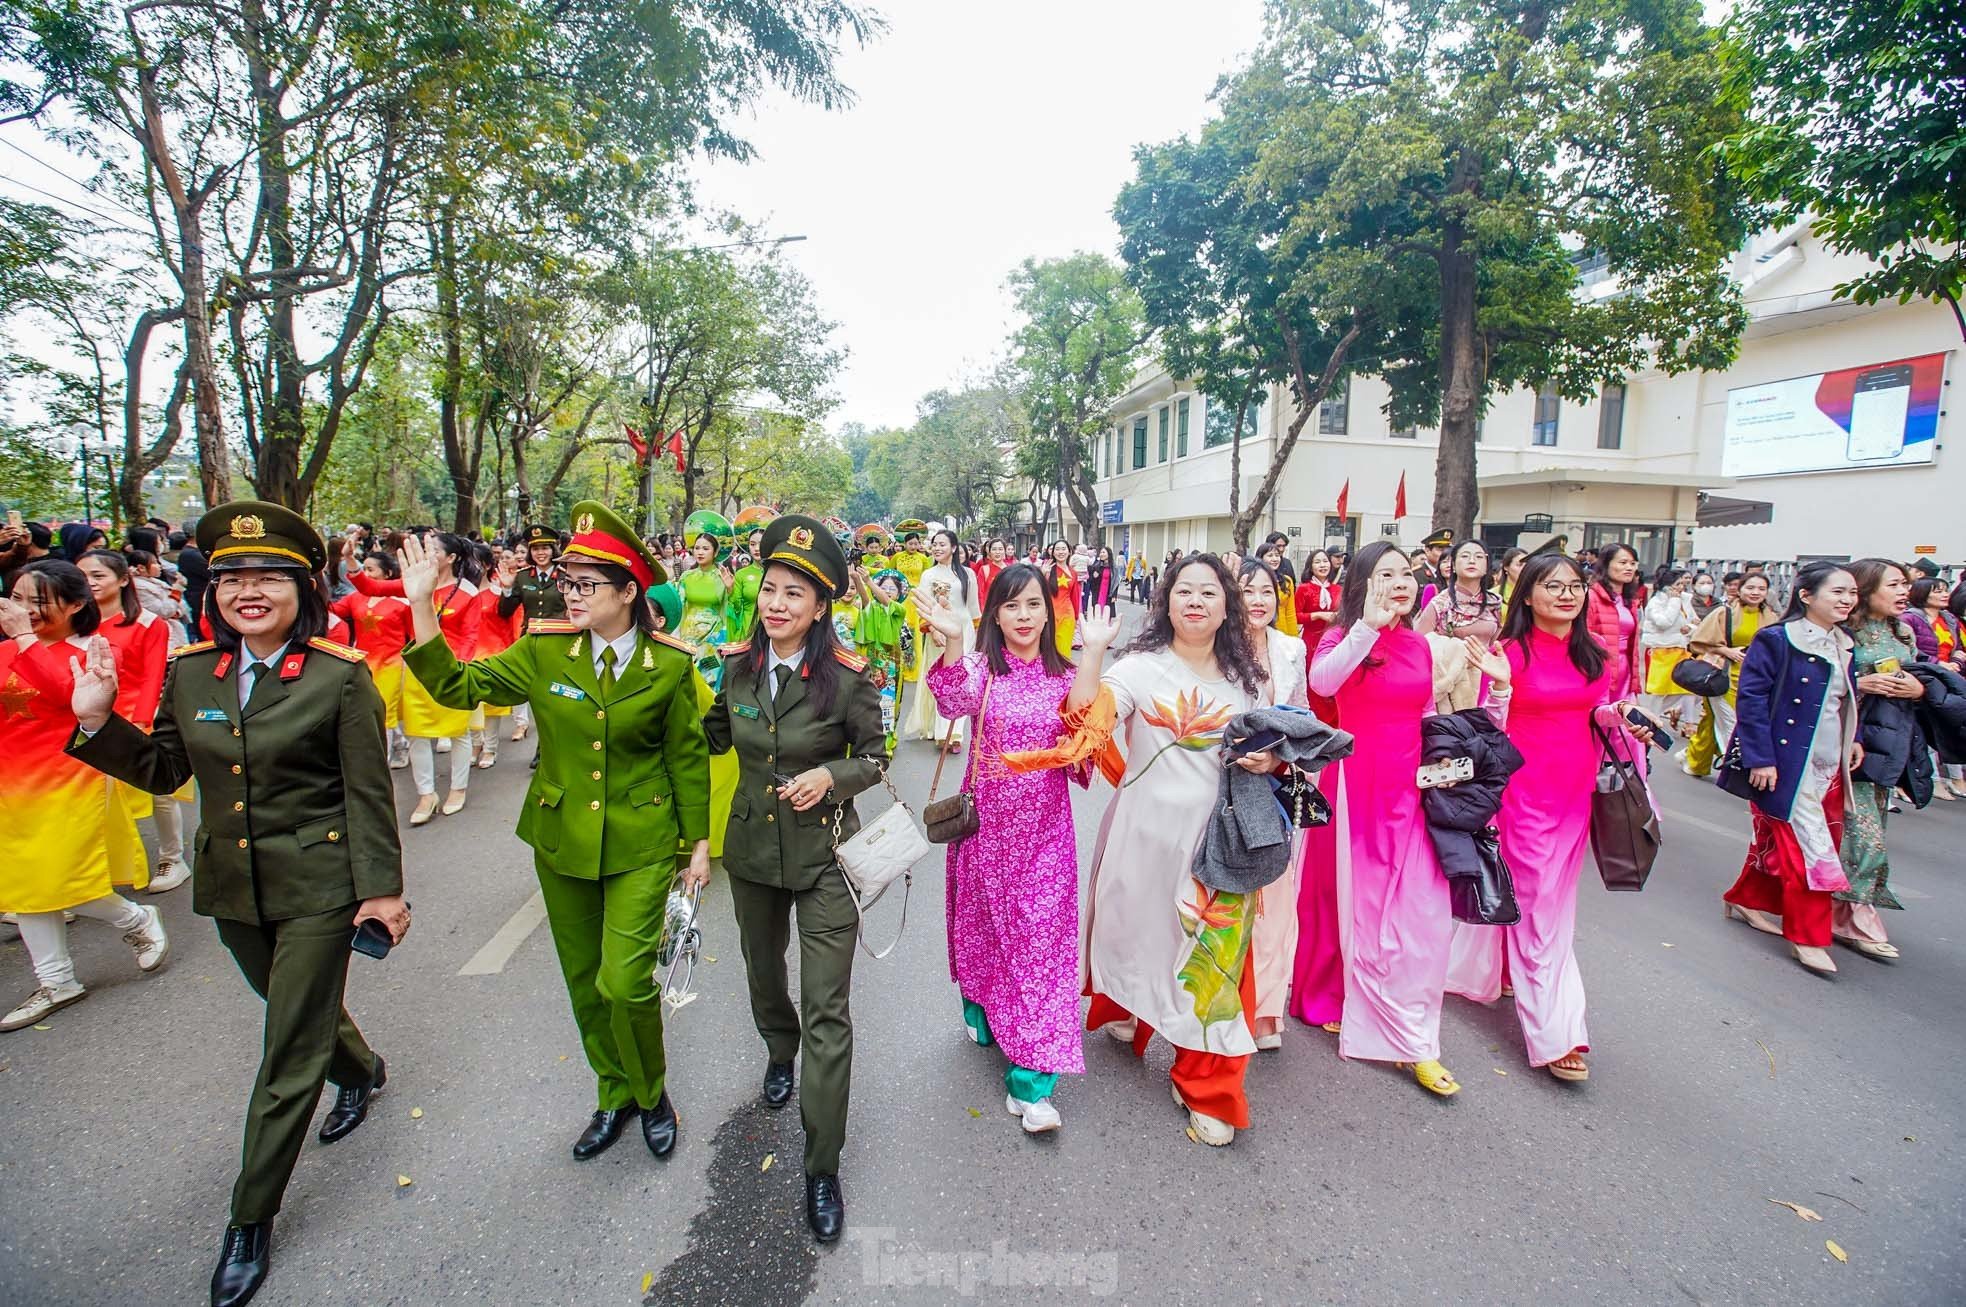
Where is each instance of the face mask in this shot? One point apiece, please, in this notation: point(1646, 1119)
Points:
point(1704, 588)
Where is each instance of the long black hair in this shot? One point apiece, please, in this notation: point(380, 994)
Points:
point(820, 668)
point(126, 589)
point(956, 564)
point(1009, 585)
point(1811, 576)
point(310, 620)
point(1586, 654)
point(1233, 655)
point(65, 584)
point(1629, 592)
point(464, 561)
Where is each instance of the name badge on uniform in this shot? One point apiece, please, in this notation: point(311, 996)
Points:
point(567, 691)
point(745, 710)
point(211, 715)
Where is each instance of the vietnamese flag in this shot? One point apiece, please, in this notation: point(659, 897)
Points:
point(1399, 498)
point(676, 448)
point(640, 446)
point(1344, 499)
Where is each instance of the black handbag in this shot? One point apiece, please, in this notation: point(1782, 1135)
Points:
point(1732, 774)
point(953, 820)
point(1624, 826)
point(1487, 898)
point(1698, 676)
point(1302, 799)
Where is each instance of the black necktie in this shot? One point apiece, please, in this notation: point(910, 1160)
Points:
point(260, 674)
point(779, 676)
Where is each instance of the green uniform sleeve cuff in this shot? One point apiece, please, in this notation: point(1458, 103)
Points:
point(694, 820)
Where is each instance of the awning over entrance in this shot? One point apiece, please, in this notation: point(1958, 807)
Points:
point(1719, 510)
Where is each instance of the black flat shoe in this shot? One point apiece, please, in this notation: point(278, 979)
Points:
point(778, 1084)
point(603, 1130)
point(825, 1207)
point(659, 1126)
point(351, 1105)
point(242, 1263)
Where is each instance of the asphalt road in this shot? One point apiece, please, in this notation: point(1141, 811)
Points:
point(1723, 1076)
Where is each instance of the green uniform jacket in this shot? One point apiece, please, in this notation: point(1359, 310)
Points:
point(623, 773)
point(297, 809)
point(536, 593)
point(768, 843)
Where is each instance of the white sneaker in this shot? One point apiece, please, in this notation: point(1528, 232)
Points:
point(41, 1002)
point(168, 876)
point(1271, 1042)
point(1123, 1031)
point(149, 941)
point(1039, 1117)
point(1206, 1129)
point(444, 744)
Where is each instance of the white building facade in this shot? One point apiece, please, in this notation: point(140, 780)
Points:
point(1825, 438)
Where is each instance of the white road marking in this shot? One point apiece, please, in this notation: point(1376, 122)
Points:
point(498, 950)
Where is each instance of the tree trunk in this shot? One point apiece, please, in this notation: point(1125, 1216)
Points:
point(1308, 396)
point(1238, 527)
point(1456, 496)
point(282, 424)
point(461, 463)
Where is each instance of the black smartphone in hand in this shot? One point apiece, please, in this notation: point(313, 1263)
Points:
point(1639, 719)
point(372, 938)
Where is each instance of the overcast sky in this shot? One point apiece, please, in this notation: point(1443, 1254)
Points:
point(983, 134)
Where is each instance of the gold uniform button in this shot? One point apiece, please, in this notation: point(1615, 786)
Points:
point(771, 816)
point(238, 807)
point(235, 732)
point(242, 844)
point(600, 713)
point(594, 803)
point(597, 776)
point(597, 744)
point(333, 835)
point(771, 757)
point(771, 730)
point(236, 769)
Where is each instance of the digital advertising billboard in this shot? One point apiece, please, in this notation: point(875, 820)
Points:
point(1879, 415)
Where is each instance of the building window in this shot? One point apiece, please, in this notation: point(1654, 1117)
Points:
point(1611, 418)
point(1181, 429)
point(1548, 403)
point(1406, 433)
point(1163, 437)
point(1139, 442)
point(1334, 415)
point(1219, 420)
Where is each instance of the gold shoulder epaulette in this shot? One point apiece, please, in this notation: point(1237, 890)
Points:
point(663, 637)
point(348, 653)
point(853, 661)
point(732, 650)
point(201, 646)
point(550, 626)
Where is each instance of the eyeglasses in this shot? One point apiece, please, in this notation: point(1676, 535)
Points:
point(1563, 589)
point(233, 583)
point(584, 586)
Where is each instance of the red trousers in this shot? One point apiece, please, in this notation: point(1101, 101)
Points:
point(1774, 877)
point(1210, 1083)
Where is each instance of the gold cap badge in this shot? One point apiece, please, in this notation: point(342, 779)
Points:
point(584, 524)
point(801, 538)
point(247, 526)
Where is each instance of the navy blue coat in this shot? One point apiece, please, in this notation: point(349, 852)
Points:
point(1776, 722)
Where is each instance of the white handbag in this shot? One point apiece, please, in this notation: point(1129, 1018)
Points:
point(886, 849)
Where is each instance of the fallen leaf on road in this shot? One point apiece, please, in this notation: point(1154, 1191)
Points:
point(404, 1182)
point(563, 1057)
point(1911, 1139)
point(708, 958)
point(648, 1282)
point(1771, 1059)
point(1663, 944)
point(1836, 1250)
point(1500, 1072)
point(44, 1026)
point(416, 1114)
point(1806, 1213)
point(974, 1112)
point(769, 1159)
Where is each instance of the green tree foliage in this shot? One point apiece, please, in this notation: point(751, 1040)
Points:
point(1073, 354)
point(1859, 119)
point(955, 459)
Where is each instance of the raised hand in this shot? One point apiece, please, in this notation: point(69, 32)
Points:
point(94, 697)
point(941, 619)
point(508, 571)
point(1487, 659)
point(14, 620)
point(1099, 628)
point(420, 569)
point(1381, 608)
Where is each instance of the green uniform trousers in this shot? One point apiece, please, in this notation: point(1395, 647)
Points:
point(821, 1023)
point(300, 967)
point(607, 933)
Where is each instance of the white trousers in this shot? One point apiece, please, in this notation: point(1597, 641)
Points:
point(46, 935)
point(1723, 725)
point(423, 763)
point(170, 828)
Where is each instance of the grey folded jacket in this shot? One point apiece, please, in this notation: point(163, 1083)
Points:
point(1247, 841)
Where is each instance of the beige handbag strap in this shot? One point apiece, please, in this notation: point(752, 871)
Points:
point(942, 754)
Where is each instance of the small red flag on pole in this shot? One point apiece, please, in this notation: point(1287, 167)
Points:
point(640, 446)
point(1344, 499)
point(676, 448)
point(1399, 498)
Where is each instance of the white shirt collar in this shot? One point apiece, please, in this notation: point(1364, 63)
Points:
point(772, 660)
point(616, 651)
point(246, 659)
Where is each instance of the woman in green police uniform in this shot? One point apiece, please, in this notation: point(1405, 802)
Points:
point(297, 841)
point(623, 774)
point(805, 721)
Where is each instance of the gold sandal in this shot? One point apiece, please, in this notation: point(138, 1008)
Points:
point(1433, 1077)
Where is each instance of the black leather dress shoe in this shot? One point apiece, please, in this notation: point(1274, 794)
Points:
point(242, 1263)
point(659, 1126)
point(351, 1105)
point(778, 1084)
point(825, 1207)
point(603, 1130)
